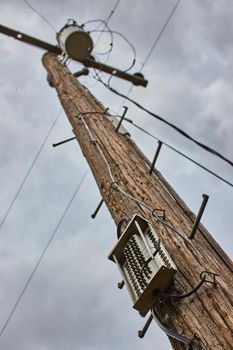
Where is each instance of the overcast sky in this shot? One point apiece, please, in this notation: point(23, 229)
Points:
point(73, 301)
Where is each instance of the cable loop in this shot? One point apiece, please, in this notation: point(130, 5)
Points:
point(214, 275)
point(186, 295)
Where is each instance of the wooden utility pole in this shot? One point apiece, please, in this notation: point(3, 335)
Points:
point(206, 315)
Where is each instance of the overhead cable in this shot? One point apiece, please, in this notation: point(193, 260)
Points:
point(160, 34)
point(173, 126)
point(36, 266)
point(178, 152)
point(105, 22)
point(158, 37)
point(28, 172)
point(40, 15)
point(112, 11)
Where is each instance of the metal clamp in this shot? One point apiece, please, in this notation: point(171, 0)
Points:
point(162, 216)
point(93, 141)
point(114, 185)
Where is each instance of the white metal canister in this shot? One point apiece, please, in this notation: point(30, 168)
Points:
point(75, 42)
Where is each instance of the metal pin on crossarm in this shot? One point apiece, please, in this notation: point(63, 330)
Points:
point(155, 157)
point(199, 215)
point(122, 118)
point(65, 141)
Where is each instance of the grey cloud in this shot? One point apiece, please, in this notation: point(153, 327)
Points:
point(73, 301)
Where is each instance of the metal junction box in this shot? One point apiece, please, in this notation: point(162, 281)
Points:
point(143, 263)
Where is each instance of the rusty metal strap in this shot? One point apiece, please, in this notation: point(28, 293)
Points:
point(192, 345)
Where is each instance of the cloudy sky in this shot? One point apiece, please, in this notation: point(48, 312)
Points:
point(72, 302)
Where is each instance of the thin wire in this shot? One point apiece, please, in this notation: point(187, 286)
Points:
point(113, 10)
point(119, 34)
point(207, 148)
point(152, 48)
point(173, 126)
point(40, 15)
point(106, 21)
point(106, 25)
point(36, 266)
point(177, 151)
point(101, 21)
point(97, 145)
point(28, 172)
point(101, 31)
point(126, 40)
point(160, 35)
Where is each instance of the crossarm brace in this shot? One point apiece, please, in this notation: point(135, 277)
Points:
point(134, 79)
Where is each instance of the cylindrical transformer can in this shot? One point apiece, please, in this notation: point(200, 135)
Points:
point(75, 42)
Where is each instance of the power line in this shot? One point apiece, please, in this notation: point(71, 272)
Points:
point(130, 89)
point(173, 126)
point(28, 172)
point(112, 11)
point(107, 21)
point(160, 34)
point(36, 266)
point(179, 152)
point(153, 46)
point(40, 15)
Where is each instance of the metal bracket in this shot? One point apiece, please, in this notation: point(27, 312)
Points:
point(124, 220)
point(155, 157)
point(61, 143)
point(84, 71)
point(121, 284)
point(199, 215)
point(143, 331)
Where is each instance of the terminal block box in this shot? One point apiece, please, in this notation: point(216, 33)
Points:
point(143, 262)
